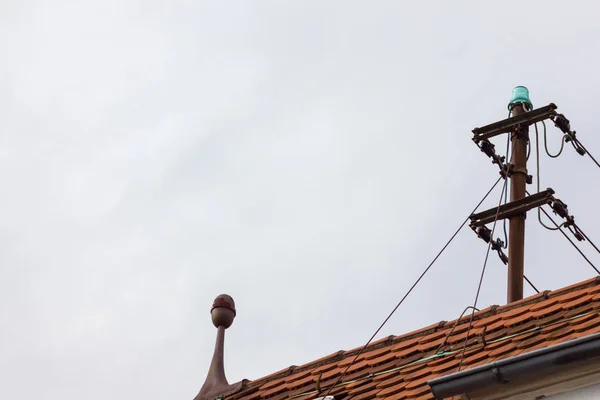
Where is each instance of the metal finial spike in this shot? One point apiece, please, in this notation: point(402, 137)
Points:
point(216, 385)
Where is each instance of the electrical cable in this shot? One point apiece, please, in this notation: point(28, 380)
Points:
point(570, 240)
point(537, 153)
point(531, 284)
point(505, 338)
point(506, 191)
point(537, 161)
point(588, 239)
point(487, 254)
point(586, 150)
point(414, 285)
point(562, 143)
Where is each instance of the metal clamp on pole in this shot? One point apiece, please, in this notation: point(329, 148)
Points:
point(560, 208)
point(484, 233)
point(562, 123)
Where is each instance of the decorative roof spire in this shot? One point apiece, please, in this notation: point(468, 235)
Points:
point(216, 385)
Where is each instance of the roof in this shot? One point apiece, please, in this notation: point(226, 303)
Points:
point(398, 367)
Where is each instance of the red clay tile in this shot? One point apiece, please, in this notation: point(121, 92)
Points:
point(392, 389)
point(583, 309)
point(412, 384)
point(391, 381)
point(272, 384)
point(397, 396)
point(301, 382)
point(357, 366)
point(323, 368)
point(534, 340)
point(577, 302)
point(554, 327)
point(496, 325)
point(546, 311)
point(447, 366)
point(550, 319)
point(564, 298)
point(377, 353)
point(367, 395)
point(520, 319)
point(406, 352)
point(501, 351)
point(364, 387)
point(298, 376)
point(404, 345)
point(384, 358)
point(271, 392)
point(515, 312)
point(403, 363)
point(419, 391)
point(584, 325)
point(487, 321)
point(409, 360)
point(349, 360)
point(480, 355)
point(381, 368)
point(418, 374)
point(434, 336)
point(543, 304)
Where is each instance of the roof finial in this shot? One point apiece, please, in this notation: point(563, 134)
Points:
point(216, 385)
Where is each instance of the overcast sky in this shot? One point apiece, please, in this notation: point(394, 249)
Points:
point(308, 158)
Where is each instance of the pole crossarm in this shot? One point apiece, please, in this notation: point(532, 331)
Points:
point(513, 208)
point(510, 124)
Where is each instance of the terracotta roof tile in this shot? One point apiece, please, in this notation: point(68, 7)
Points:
point(392, 380)
point(397, 396)
point(419, 391)
point(367, 395)
point(392, 389)
point(383, 368)
point(403, 364)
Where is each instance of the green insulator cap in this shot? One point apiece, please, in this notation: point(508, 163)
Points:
point(520, 94)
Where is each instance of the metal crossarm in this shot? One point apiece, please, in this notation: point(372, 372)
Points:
point(513, 208)
point(509, 124)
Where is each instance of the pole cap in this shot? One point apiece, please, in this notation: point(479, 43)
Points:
point(520, 94)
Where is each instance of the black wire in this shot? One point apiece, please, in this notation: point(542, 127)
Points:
point(588, 153)
point(571, 241)
point(506, 191)
point(531, 284)
point(562, 143)
point(487, 254)
point(537, 161)
point(587, 238)
point(412, 287)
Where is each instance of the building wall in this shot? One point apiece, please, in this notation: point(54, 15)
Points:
point(586, 393)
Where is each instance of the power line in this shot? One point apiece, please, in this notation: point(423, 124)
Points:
point(412, 287)
point(487, 254)
point(577, 142)
point(570, 240)
point(588, 239)
point(562, 142)
point(537, 161)
point(439, 354)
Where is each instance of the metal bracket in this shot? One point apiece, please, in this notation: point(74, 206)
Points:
point(484, 233)
point(509, 124)
point(513, 208)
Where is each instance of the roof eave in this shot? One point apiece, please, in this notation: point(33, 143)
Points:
point(540, 361)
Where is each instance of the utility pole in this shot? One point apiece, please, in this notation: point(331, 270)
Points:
point(519, 138)
point(515, 169)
